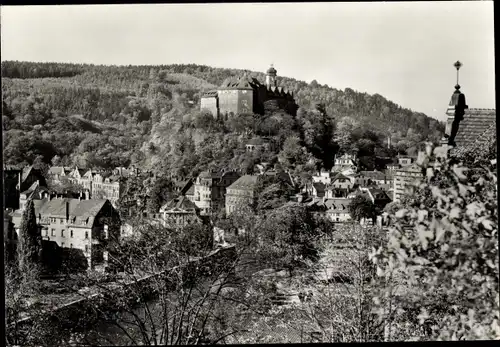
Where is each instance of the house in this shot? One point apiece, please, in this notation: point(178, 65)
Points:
point(179, 212)
point(403, 178)
point(405, 160)
point(369, 178)
point(318, 190)
point(210, 189)
point(324, 177)
point(258, 144)
point(241, 192)
point(337, 210)
point(57, 172)
point(85, 227)
point(345, 160)
point(341, 181)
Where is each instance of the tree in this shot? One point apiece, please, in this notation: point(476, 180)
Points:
point(29, 238)
point(444, 257)
point(361, 208)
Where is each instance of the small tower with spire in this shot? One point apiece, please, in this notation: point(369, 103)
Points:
point(455, 111)
point(271, 77)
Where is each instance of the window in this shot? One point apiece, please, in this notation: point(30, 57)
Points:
point(86, 248)
point(86, 235)
point(70, 245)
point(53, 232)
point(61, 221)
point(71, 233)
point(62, 233)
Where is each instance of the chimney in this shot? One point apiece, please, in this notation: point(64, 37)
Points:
point(67, 210)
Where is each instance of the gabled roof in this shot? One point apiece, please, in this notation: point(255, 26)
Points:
point(319, 186)
point(26, 171)
point(77, 208)
point(340, 176)
point(337, 205)
point(246, 182)
point(179, 204)
point(375, 175)
point(190, 191)
point(209, 94)
point(488, 136)
point(476, 122)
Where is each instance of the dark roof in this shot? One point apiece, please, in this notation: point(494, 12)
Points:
point(190, 191)
point(246, 182)
point(481, 143)
point(376, 175)
point(319, 186)
point(77, 208)
point(475, 123)
point(340, 176)
point(256, 141)
point(209, 94)
point(337, 205)
point(180, 203)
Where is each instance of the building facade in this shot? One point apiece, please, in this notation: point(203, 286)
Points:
point(84, 227)
point(210, 190)
point(241, 193)
point(403, 178)
point(179, 212)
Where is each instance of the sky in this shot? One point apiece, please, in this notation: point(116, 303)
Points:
point(403, 51)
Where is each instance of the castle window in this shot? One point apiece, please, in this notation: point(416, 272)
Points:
point(86, 248)
point(86, 235)
point(53, 232)
point(62, 233)
point(71, 233)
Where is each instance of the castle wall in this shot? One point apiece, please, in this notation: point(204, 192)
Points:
point(235, 101)
point(228, 101)
point(210, 104)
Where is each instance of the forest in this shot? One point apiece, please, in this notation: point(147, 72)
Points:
point(148, 116)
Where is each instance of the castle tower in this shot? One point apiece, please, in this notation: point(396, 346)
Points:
point(271, 77)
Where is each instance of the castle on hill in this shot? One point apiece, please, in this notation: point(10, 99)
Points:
point(248, 95)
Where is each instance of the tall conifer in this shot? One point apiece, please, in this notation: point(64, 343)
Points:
point(28, 237)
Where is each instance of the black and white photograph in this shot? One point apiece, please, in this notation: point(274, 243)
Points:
point(249, 173)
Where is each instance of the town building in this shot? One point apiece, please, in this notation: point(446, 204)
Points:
point(17, 180)
point(370, 178)
point(241, 193)
point(258, 144)
point(210, 190)
point(91, 181)
point(248, 95)
point(85, 228)
point(405, 160)
point(179, 212)
point(405, 177)
point(336, 209)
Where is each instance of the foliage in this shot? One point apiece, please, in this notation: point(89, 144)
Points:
point(29, 238)
point(362, 208)
point(444, 247)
